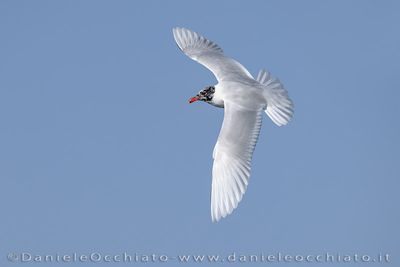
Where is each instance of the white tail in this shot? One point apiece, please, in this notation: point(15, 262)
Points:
point(279, 105)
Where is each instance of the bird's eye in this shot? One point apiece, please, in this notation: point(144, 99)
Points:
point(202, 93)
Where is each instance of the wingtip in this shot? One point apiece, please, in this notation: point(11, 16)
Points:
point(215, 217)
point(175, 30)
point(214, 220)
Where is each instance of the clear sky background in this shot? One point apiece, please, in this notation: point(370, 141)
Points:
point(100, 151)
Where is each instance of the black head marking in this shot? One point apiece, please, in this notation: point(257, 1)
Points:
point(207, 94)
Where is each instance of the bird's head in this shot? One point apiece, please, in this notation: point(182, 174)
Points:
point(205, 95)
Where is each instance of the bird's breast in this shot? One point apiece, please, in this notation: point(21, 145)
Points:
point(217, 101)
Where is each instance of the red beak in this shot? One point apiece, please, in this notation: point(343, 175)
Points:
point(193, 99)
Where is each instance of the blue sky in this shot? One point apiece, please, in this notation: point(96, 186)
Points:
point(99, 150)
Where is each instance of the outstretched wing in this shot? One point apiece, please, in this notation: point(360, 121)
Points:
point(232, 158)
point(209, 54)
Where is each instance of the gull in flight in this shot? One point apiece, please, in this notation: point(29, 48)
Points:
point(244, 100)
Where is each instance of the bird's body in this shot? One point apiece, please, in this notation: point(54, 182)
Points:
point(244, 100)
point(248, 94)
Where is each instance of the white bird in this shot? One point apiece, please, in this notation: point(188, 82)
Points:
point(244, 99)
